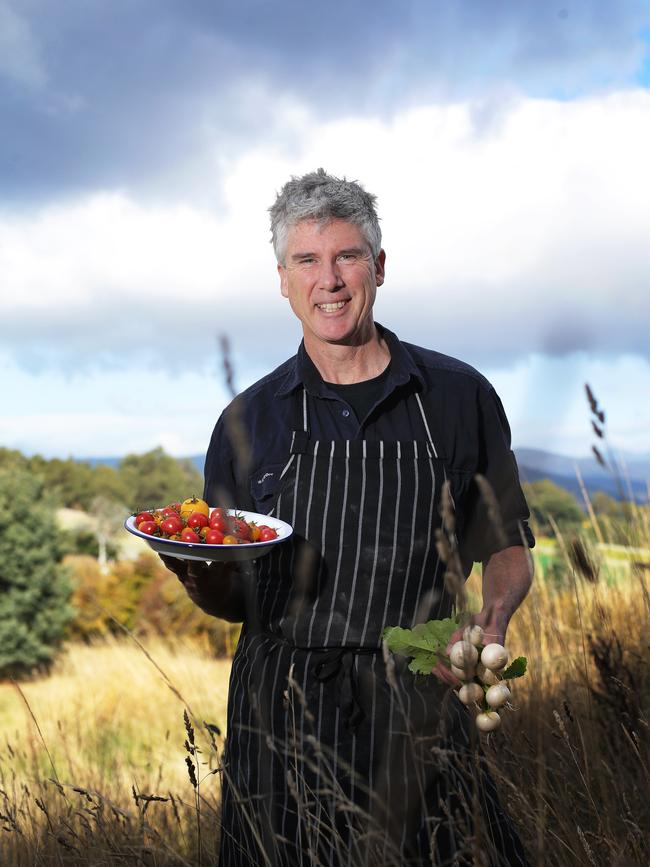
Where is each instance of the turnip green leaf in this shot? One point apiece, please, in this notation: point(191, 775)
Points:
point(517, 668)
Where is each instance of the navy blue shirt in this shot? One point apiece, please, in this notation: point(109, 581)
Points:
point(251, 440)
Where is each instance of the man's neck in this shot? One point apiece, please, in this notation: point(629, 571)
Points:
point(344, 364)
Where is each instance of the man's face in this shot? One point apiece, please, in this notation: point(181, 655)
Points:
point(331, 279)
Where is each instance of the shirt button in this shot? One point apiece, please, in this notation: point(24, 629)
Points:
point(345, 413)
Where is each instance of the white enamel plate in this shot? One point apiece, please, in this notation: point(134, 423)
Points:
point(212, 553)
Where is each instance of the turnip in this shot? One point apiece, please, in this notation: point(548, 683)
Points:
point(463, 673)
point(463, 655)
point(497, 695)
point(470, 693)
point(474, 634)
point(494, 656)
point(488, 722)
point(486, 675)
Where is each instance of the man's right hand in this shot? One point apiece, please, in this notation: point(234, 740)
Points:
point(215, 587)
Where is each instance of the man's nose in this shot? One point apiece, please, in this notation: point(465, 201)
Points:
point(330, 277)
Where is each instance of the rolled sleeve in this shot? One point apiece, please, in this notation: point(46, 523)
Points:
point(496, 510)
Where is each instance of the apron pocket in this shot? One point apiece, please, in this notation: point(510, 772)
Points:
point(263, 486)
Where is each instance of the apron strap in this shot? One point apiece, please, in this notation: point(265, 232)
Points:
point(426, 425)
point(300, 432)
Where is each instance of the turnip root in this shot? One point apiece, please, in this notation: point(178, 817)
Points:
point(474, 634)
point(498, 695)
point(486, 675)
point(463, 655)
point(463, 674)
point(470, 693)
point(494, 656)
point(488, 722)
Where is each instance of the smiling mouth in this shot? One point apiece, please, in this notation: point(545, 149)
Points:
point(332, 306)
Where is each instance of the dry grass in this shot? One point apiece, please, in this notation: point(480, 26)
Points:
point(571, 764)
point(83, 748)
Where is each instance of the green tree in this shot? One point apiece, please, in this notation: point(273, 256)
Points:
point(155, 478)
point(34, 587)
point(545, 499)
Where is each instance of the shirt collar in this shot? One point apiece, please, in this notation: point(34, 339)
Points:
point(305, 373)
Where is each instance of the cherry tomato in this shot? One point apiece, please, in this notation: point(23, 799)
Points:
point(193, 504)
point(214, 537)
point(172, 525)
point(143, 516)
point(241, 529)
point(188, 535)
point(255, 532)
point(267, 533)
point(218, 521)
point(175, 538)
point(148, 527)
point(230, 540)
point(175, 506)
point(197, 520)
point(170, 512)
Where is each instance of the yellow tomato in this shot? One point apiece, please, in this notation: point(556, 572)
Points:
point(194, 505)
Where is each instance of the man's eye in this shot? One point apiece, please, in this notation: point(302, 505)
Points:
point(347, 257)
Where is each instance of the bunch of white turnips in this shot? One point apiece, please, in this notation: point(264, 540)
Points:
point(479, 666)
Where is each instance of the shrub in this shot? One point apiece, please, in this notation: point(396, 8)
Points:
point(34, 587)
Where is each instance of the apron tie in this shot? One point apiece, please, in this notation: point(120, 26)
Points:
point(339, 663)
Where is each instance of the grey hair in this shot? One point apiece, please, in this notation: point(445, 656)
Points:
point(323, 197)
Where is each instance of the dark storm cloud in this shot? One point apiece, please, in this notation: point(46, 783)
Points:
point(153, 93)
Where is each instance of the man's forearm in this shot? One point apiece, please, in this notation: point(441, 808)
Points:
point(507, 577)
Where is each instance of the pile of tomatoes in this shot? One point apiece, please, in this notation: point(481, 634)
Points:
point(193, 521)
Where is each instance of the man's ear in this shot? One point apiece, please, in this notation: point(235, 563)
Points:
point(282, 271)
point(380, 269)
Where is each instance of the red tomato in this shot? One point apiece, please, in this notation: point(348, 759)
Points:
point(170, 512)
point(188, 535)
point(175, 506)
point(214, 537)
point(267, 533)
point(241, 529)
point(143, 516)
point(172, 525)
point(148, 527)
point(197, 520)
point(218, 521)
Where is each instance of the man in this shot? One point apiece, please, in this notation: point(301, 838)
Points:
point(359, 441)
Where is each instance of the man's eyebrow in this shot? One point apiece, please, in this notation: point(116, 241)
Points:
point(296, 256)
point(359, 251)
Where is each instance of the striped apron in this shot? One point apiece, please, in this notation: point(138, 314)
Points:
point(334, 755)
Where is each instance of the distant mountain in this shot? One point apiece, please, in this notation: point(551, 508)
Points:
point(537, 464)
point(624, 473)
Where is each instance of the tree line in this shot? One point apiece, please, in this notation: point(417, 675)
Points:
point(139, 481)
point(56, 584)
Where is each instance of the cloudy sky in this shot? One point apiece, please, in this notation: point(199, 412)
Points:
point(142, 142)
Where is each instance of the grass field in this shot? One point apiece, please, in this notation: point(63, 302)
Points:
point(85, 749)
